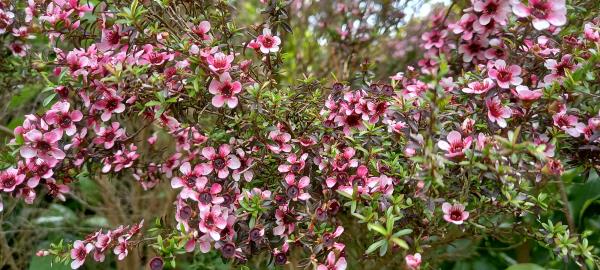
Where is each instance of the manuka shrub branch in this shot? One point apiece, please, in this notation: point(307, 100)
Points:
point(471, 141)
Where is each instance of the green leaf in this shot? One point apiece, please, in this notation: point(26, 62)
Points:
point(375, 246)
point(582, 195)
point(378, 228)
point(525, 266)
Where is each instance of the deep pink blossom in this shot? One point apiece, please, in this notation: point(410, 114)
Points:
point(497, 112)
point(202, 30)
point(110, 103)
point(455, 146)
point(121, 249)
point(213, 220)
point(505, 75)
point(558, 70)
point(295, 189)
point(281, 140)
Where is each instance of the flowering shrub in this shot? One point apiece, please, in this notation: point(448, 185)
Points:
point(488, 140)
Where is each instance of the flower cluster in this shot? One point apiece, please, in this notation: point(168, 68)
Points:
point(476, 131)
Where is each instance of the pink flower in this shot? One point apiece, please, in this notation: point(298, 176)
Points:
point(558, 70)
point(456, 145)
point(190, 180)
point(505, 75)
point(544, 12)
point(454, 213)
point(109, 135)
point(496, 10)
point(296, 165)
point(150, 57)
point(473, 48)
point(523, 93)
point(497, 112)
point(224, 90)
point(413, 261)
point(345, 159)
point(19, 49)
point(286, 219)
point(591, 32)
point(121, 249)
point(331, 263)
point(281, 140)
point(79, 252)
point(268, 43)
point(56, 190)
point(295, 189)
point(10, 178)
point(110, 103)
point(221, 161)
point(434, 39)
point(60, 116)
point(111, 38)
point(479, 87)
point(213, 221)
point(220, 62)
point(464, 26)
point(6, 19)
point(568, 123)
point(202, 30)
point(42, 145)
point(39, 169)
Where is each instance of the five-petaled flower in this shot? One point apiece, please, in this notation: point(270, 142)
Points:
point(456, 145)
point(454, 213)
point(225, 91)
point(220, 161)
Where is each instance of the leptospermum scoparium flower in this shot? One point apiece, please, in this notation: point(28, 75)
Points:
point(455, 213)
point(455, 146)
point(225, 91)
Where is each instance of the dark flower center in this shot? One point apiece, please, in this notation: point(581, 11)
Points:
point(280, 258)
point(185, 212)
point(205, 198)
point(456, 215)
point(65, 121)
point(219, 163)
point(43, 146)
point(156, 263)
point(268, 41)
point(292, 191)
point(9, 182)
point(228, 250)
point(255, 235)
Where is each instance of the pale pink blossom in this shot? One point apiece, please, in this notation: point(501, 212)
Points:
point(455, 146)
point(455, 213)
point(544, 12)
point(224, 90)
